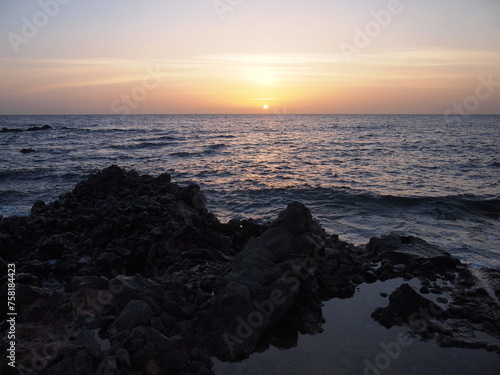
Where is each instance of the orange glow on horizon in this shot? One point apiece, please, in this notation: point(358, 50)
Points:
point(308, 84)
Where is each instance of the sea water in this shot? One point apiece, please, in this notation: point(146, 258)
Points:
point(436, 177)
point(352, 343)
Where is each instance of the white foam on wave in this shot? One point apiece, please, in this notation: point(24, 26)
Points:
point(14, 211)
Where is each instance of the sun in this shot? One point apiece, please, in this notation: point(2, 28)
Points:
point(265, 106)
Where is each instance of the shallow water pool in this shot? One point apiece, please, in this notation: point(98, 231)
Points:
point(353, 343)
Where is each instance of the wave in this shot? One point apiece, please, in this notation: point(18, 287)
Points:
point(11, 193)
point(70, 176)
point(168, 137)
point(210, 150)
point(139, 145)
point(14, 211)
point(11, 174)
point(449, 207)
point(184, 154)
point(454, 207)
point(99, 130)
point(31, 174)
point(216, 146)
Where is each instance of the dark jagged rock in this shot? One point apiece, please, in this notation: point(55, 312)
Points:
point(473, 308)
point(132, 274)
point(80, 363)
point(405, 305)
point(136, 313)
point(30, 129)
point(339, 275)
point(265, 280)
point(116, 249)
point(38, 128)
point(8, 130)
point(193, 197)
point(400, 249)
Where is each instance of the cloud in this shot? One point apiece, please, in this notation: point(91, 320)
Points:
point(213, 77)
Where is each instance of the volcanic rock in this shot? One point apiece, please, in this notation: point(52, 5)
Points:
point(131, 274)
point(265, 279)
point(405, 305)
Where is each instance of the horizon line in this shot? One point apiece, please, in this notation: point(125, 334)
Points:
point(257, 114)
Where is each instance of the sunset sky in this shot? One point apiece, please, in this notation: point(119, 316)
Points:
point(232, 56)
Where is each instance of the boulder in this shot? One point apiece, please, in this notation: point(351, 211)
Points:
point(193, 197)
point(8, 130)
point(107, 366)
point(78, 364)
point(175, 361)
point(136, 313)
point(411, 256)
point(406, 305)
point(401, 249)
point(265, 279)
point(126, 288)
point(38, 128)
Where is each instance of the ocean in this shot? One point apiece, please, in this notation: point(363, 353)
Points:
point(436, 177)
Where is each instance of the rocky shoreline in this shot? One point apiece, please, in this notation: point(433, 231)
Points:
point(130, 274)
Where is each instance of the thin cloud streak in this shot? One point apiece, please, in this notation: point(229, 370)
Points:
point(247, 77)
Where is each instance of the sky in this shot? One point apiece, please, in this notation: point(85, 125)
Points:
point(242, 56)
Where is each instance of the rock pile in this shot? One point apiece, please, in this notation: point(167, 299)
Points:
point(267, 278)
point(130, 274)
